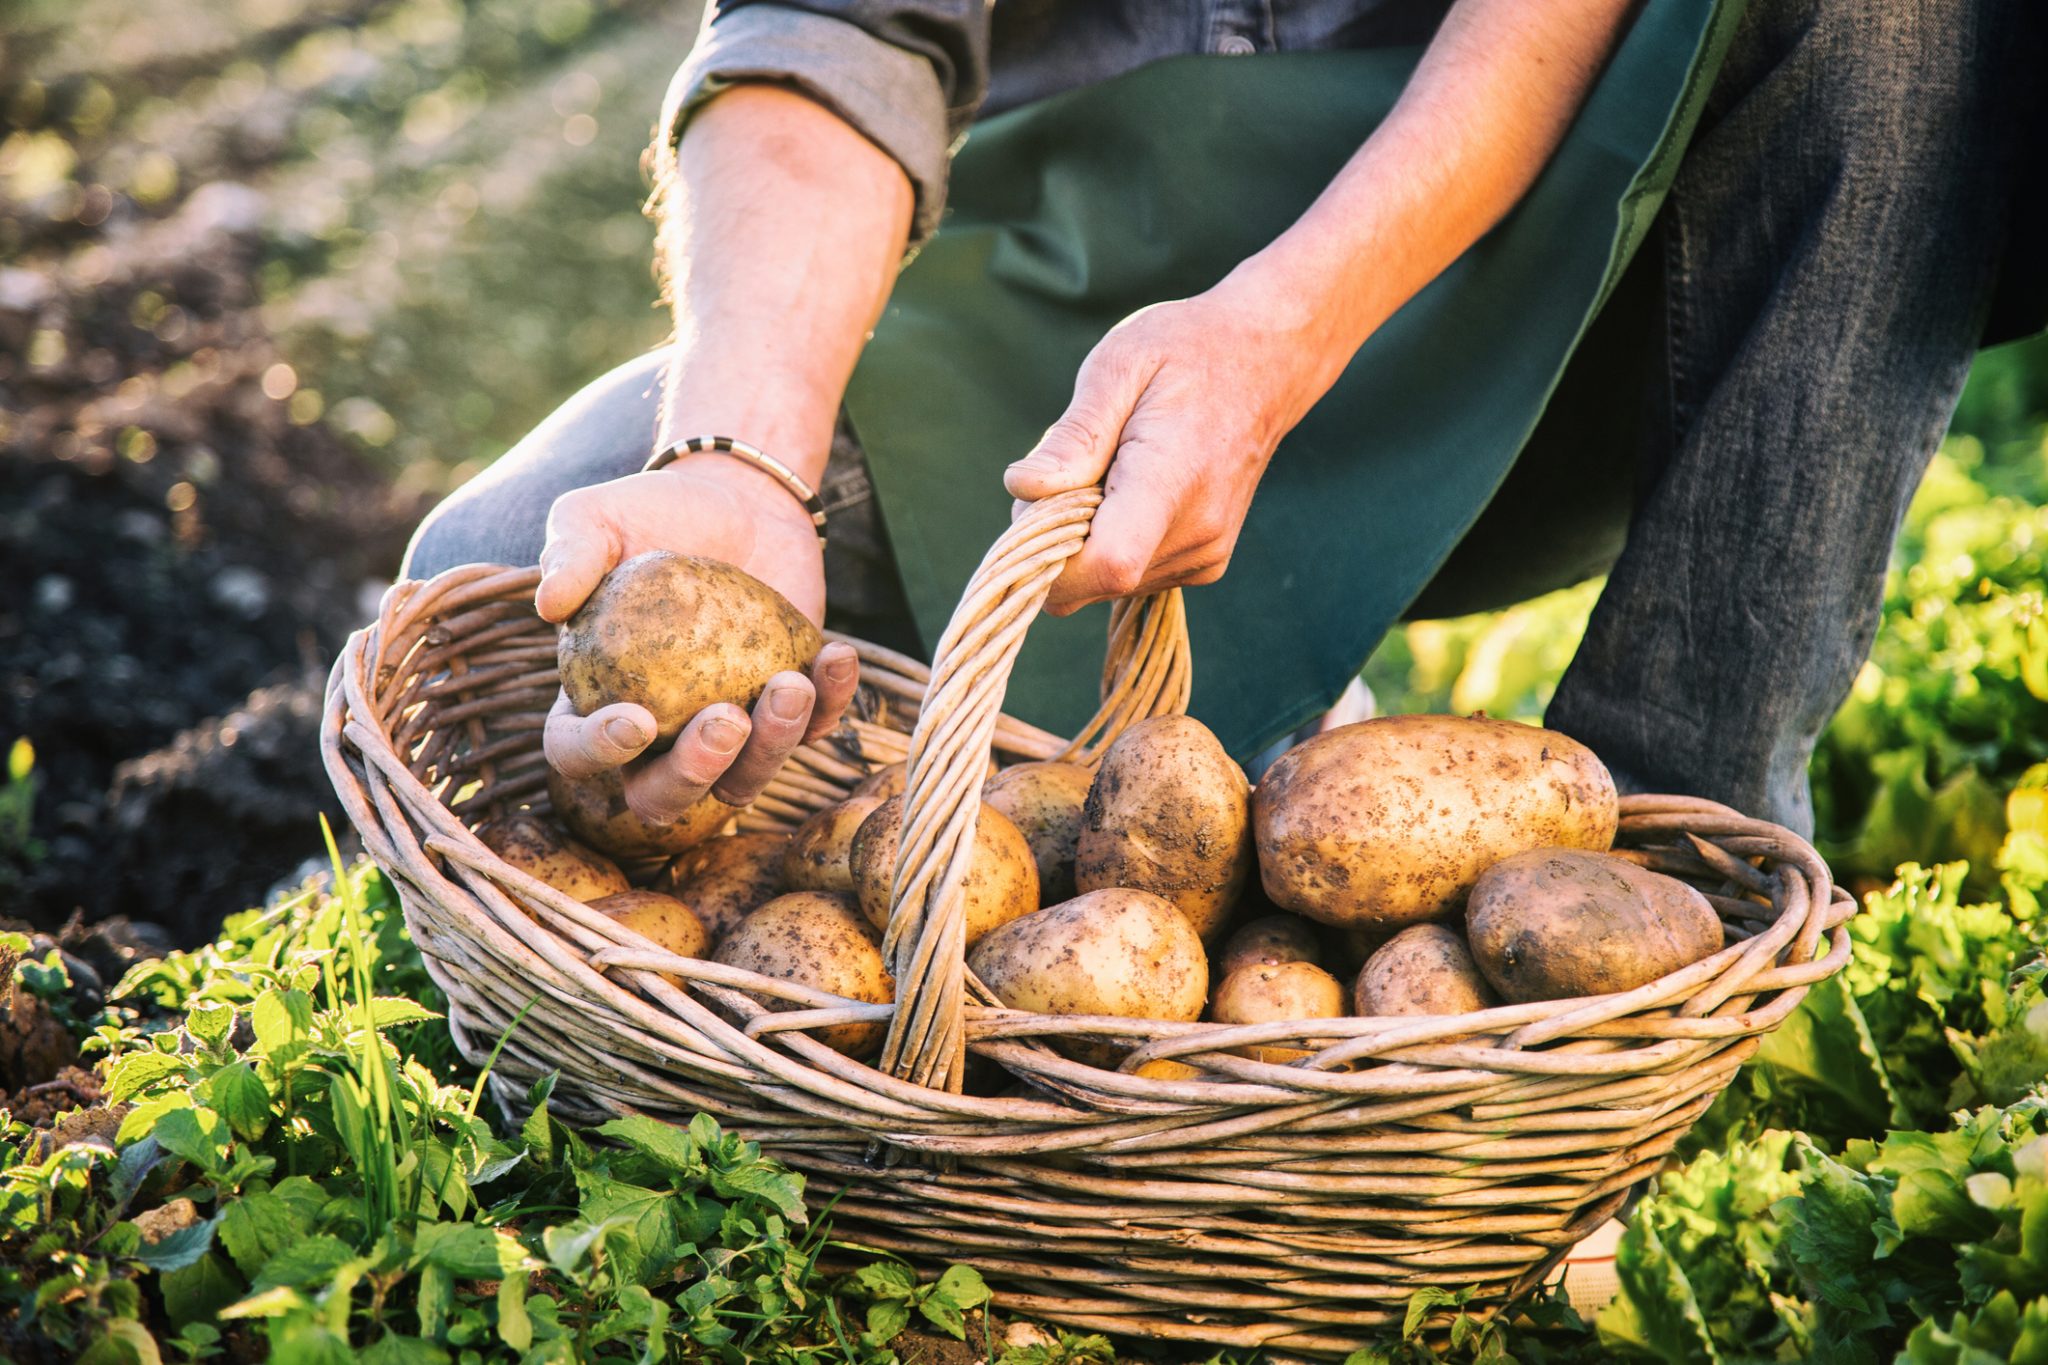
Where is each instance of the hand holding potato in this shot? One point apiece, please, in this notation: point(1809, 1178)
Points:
point(712, 508)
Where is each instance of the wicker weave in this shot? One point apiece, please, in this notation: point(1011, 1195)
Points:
point(1296, 1206)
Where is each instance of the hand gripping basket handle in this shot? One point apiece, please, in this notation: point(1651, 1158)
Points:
point(1147, 672)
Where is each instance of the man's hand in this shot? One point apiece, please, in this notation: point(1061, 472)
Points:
point(1180, 406)
point(718, 508)
point(781, 232)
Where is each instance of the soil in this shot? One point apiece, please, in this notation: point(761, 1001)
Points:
point(180, 561)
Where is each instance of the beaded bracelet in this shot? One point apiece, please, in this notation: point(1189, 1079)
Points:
point(753, 455)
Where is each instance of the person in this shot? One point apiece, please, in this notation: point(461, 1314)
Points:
point(1832, 183)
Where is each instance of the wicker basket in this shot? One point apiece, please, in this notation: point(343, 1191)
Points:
point(1296, 1206)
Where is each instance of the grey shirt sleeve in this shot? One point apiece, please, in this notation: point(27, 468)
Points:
point(905, 98)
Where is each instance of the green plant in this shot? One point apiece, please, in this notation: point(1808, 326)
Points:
point(20, 850)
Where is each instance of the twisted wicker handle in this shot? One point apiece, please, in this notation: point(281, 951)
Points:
point(1146, 673)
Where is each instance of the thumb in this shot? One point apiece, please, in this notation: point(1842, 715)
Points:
point(577, 555)
point(1076, 451)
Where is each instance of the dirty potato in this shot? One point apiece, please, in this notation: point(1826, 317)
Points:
point(1269, 940)
point(1044, 801)
point(1273, 992)
point(594, 809)
point(1001, 881)
point(818, 940)
point(1424, 969)
point(722, 880)
point(1117, 951)
point(820, 853)
point(538, 849)
point(1558, 923)
point(1169, 813)
point(676, 633)
point(1388, 822)
point(662, 920)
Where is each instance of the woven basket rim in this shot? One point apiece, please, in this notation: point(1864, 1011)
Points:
point(1738, 966)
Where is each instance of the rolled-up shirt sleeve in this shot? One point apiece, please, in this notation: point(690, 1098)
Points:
point(907, 75)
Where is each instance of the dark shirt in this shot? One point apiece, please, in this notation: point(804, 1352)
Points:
point(911, 75)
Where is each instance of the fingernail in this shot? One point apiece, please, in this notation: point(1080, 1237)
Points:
point(724, 736)
point(622, 732)
point(788, 703)
point(841, 668)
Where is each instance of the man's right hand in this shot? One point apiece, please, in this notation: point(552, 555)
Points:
point(719, 508)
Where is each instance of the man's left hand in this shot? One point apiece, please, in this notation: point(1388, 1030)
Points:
point(1180, 405)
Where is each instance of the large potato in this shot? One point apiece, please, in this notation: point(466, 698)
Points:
point(1169, 813)
point(1388, 822)
point(818, 940)
point(662, 920)
point(1424, 969)
point(723, 880)
point(1122, 952)
point(1273, 992)
point(538, 849)
point(1269, 940)
point(676, 633)
point(1001, 881)
point(820, 853)
point(594, 809)
point(1558, 923)
point(1044, 801)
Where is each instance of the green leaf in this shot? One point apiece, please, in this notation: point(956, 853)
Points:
point(258, 1225)
point(240, 1098)
point(469, 1251)
point(951, 1297)
point(664, 1142)
point(198, 1135)
point(125, 1342)
point(274, 1302)
point(210, 1021)
point(642, 1240)
point(887, 1317)
point(395, 1349)
point(1424, 1302)
point(131, 1075)
point(176, 1250)
point(1656, 1313)
point(762, 1179)
point(308, 1261)
point(199, 1291)
point(389, 1011)
point(1831, 1239)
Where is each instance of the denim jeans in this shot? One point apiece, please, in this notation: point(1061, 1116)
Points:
point(1823, 268)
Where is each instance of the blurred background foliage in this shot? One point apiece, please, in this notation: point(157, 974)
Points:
point(448, 195)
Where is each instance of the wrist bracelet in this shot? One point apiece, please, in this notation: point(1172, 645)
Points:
point(753, 455)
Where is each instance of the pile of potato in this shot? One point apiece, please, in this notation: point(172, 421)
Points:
point(1411, 865)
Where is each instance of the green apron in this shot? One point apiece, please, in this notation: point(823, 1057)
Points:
point(1069, 214)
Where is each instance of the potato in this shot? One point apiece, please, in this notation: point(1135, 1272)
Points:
point(1001, 881)
point(1388, 822)
point(1268, 940)
point(1269, 992)
point(676, 633)
point(1115, 951)
point(1044, 802)
point(1424, 969)
point(883, 783)
point(819, 940)
point(723, 880)
point(1169, 813)
point(538, 849)
point(820, 853)
point(594, 809)
point(1558, 923)
point(662, 920)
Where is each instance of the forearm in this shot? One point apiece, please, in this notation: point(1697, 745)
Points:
point(1487, 106)
point(780, 237)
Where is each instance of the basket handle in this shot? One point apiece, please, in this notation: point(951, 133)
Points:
point(1146, 672)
